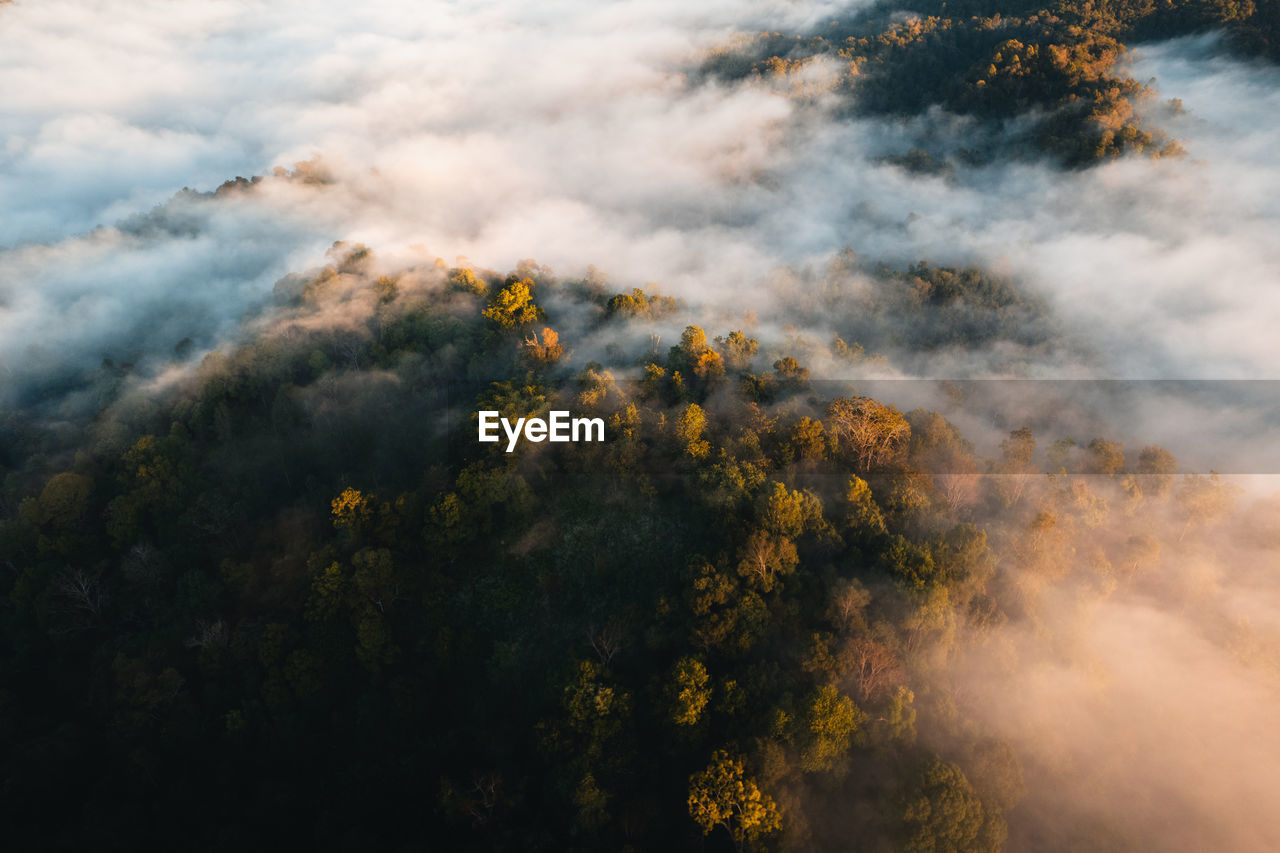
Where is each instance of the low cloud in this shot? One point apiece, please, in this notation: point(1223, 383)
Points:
point(575, 133)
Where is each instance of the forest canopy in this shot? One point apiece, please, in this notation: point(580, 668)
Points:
point(1045, 79)
point(739, 608)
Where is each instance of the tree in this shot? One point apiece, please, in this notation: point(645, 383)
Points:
point(464, 280)
point(788, 512)
point(831, 720)
point(351, 510)
point(737, 350)
point(861, 512)
point(546, 351)
point(807, 440)
point(592, 802)
point(911, 565)
point(689, 429)
point(1105, 457)
point(689, 691)
point(60, 512)
point(873, 432)
point(693, 356)
point(784, 514)
point(63, 500)
point(997, 774)
point(901, 717)
point(1016, 453)
point(386, 290)
point(723, 795)
point(849, 602)
point(941, 813)
point(791, 375)
point(725, 615)
point(1157, 468)
point(637, 303)
point(1017, 450)
point(376, 579)
point(513, 305)
point(708, 365)
point(155, 478)
point(80, 596)
point(1204, 499)
point(693, 341)
point(597, 712)
point(1140, 551)
point(765, 556)
point(875, 666)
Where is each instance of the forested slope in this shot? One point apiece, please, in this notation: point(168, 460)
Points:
point(285, 597)
point(1039, 79)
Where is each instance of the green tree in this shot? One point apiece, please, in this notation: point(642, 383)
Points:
point(861, 514)
point(941, 813)
point(831, 720)
point(688, 691)
point(789, 513)
point(60, 512)
point(901, 718)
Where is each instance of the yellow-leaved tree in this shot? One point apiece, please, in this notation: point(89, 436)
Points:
point(724, 795)
point(513, 305)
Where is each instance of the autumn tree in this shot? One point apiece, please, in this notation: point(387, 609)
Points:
point(688, 691)
point(861, 513)
point(875, 666)
point(1202, 500)
point(1104, 457)
point(900, 720)
point(790, 374)
point(784, 514)
point(513, 305)
point(872, 432)
point(1156, 469)
point(1015, 466)
point(724, 795)
point(737, 350)
point(352, 510)
point(637, 303)
point(766, 556)
point(548, 350)
point(694, 357)
point(806, 440)
point(463, 280)
point(689, 429)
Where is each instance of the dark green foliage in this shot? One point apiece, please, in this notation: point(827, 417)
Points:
point(292, 601)
point(941, 812)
